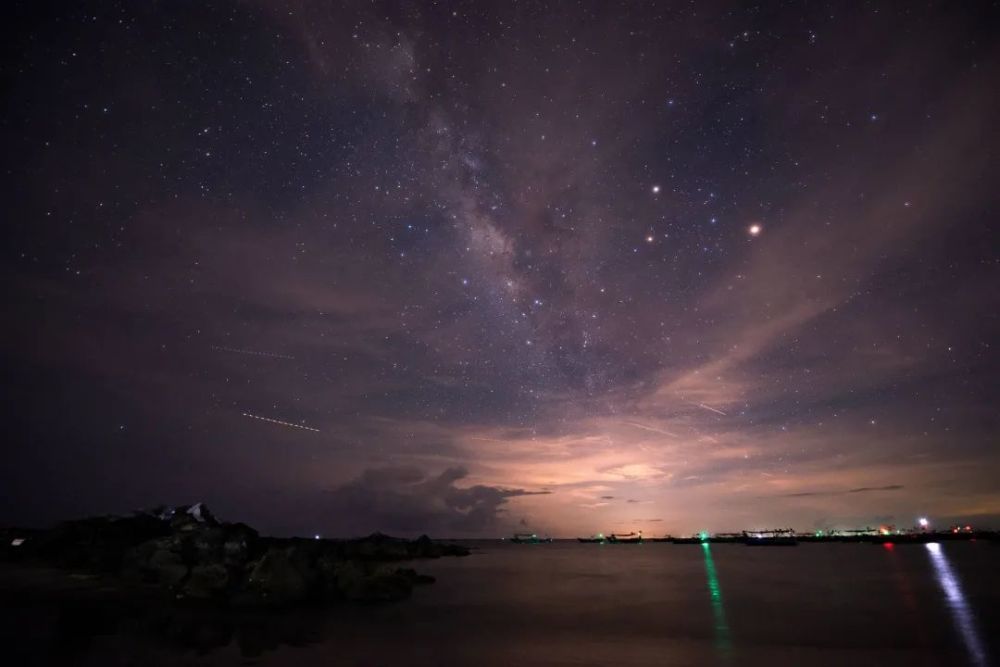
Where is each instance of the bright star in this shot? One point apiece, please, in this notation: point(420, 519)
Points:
point(755, 229)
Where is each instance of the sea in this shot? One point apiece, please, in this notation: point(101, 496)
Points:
point(573, 604)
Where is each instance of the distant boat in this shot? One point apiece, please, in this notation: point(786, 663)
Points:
point(781, 537)
point(598, 539)
point(627, 538)
point(529, 538)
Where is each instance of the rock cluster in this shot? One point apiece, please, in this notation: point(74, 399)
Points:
point(191, 554)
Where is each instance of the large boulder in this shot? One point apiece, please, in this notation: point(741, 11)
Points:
point(386, 586)
point(276, 579)
point(361, 581)
point(425, 547)
point(206, 582)
point(192, 517)
point(164, 566)
point(344, 579)
point(415, 577)
point(239, 544)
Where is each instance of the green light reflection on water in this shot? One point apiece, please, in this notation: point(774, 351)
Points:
point(723, 644)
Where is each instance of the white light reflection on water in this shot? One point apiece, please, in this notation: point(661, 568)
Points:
point(961, 613)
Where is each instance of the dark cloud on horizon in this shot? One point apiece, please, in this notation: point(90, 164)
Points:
point(862, 489)
point(407, 500)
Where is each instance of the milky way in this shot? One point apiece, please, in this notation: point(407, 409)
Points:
point(575, 267)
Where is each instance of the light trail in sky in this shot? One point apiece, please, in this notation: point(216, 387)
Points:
point(652, 429)
point(704, 407)
point(256, 353)
point(710, 408)
point(281, 423)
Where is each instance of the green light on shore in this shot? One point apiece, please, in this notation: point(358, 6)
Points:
point(703, 536)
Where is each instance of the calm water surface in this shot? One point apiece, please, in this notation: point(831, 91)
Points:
point(588, 604)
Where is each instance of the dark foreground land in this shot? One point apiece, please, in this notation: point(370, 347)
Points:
point(187, 555)
point(561, 603)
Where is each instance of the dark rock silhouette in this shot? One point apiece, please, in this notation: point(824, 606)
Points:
point(189, 554)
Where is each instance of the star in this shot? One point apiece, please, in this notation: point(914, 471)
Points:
point(755, 229)
point(655, 189)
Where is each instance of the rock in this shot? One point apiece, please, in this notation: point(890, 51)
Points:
point(166, 567)
point(206, 582)
point(192, 517)
point(386, 587)
point(425, 547)
point(276, 580)
point(415, 577)
point(187, 551)
point(239, 544)
point(355, 581)
point(379, 547)
point(347, 580)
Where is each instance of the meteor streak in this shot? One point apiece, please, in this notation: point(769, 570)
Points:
point(652, 429)
point(255, 353)
point(280, 422)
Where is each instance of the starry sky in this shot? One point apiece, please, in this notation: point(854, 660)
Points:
point(471, 268)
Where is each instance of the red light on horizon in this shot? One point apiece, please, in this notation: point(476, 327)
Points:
point(888, 545)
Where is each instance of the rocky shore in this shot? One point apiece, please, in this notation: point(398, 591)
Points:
point(188, 554)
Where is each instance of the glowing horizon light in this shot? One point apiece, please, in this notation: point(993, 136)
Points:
point(923, 522)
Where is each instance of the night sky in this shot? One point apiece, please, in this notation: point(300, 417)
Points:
point(495, 267)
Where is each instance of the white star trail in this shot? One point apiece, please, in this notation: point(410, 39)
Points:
point(652, 429)
point(705, 407)
point(256, 353)
point(281, 423)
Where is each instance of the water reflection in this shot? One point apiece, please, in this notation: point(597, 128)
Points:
point(961, 612)
point(181, 629)
point(722, 641)
point(902, 581)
